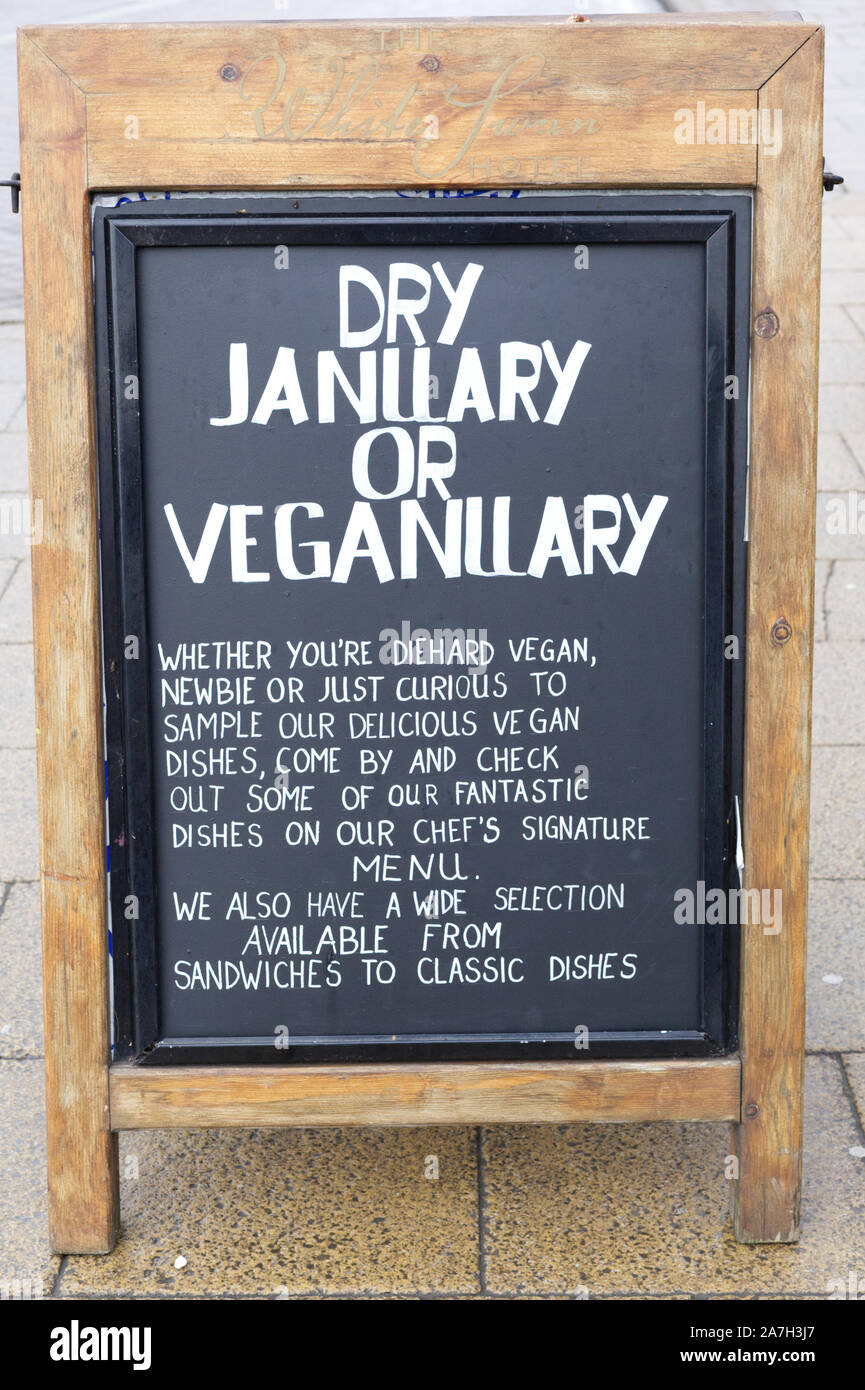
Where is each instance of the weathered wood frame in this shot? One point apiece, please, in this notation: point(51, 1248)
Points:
point(169, 107)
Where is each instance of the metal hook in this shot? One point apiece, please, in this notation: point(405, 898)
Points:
point(14, 185)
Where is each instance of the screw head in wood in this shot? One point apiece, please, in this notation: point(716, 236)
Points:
point(751, 1110)
point(229, 73)
point(766, 324)
point(781, 632)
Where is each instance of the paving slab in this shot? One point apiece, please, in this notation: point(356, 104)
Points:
point(839, 684)
point(854, 1065)
point(11, 396)
point(842, 363)
point(13, 463)
point(843, 251)
point(842, 286)
point(21, 973)
point(836, 231)
point(842, 407)
point(263, 1212)
point(12, 360)
point(843, 600)
point(837, 325)
point(837, 464)
point(16, 601)
point(19, 843)
point(835, 1000)
point(850, 205)
point(855, 442)
point(643, 1208)
point(837, 813)
point(18, 421)
point(7, 570)
point(17, 722)
point(24, 1253)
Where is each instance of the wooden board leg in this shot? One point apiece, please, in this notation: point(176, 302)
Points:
point(82, 1152)
point(95, 1175)
point(82, 1162)
point(782, 507)
point(767, 1145)
point(83, 1178)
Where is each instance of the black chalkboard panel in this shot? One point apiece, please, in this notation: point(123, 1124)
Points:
point(422, 527)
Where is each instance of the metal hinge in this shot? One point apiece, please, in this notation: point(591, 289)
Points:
point(14, 186)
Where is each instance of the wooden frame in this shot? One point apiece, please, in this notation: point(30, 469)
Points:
point(569, 103)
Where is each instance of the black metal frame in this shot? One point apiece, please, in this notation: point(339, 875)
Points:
point(722, 222)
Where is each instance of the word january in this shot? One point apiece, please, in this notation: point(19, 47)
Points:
point(375, 391)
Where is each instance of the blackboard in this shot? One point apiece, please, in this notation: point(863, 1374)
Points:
point(420, 700)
